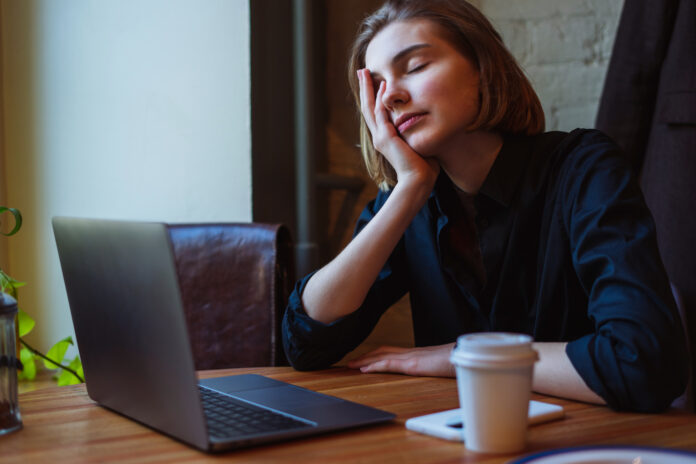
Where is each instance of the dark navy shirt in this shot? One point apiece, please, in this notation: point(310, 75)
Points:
point(569, 252)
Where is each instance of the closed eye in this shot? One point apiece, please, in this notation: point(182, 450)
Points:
point(415, 69)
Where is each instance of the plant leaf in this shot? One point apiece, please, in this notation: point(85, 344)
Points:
point(67, 378)
point(17, 217)
point(27, 358)
point(4, 280)
point(7, 282)
point(26, 323)
point(16, 283)
point(57, 353)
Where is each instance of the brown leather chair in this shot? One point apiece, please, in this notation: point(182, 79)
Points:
point(235, 280)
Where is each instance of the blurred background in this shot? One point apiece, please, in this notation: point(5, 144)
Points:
point(223, 111)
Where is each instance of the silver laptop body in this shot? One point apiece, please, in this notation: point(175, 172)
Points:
point(131, 332)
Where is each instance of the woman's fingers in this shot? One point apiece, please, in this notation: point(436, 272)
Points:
point(432, 360)
point(380, 111)
point(384, 135)
point(391, 352)
point(375, 355)
point(399, 366)
point(367, 98)
point(373, 110)
point(385, 138)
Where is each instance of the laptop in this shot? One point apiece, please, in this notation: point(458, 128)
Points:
point(131, 332)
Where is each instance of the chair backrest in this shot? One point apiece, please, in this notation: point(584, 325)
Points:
point(235, 280)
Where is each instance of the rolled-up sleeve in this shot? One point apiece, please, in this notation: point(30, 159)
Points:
point(636, 359)
point(310, 344)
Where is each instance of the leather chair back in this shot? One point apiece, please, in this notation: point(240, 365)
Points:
point(235, 280)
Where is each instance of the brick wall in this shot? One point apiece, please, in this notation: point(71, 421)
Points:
point(564, 46)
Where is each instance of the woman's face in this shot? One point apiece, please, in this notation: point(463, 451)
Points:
point(432, 90)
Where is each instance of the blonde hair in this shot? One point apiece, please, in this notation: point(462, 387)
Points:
point(509, 104)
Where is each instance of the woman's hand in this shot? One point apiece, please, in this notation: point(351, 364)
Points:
point(340, 287)
point(427, 361)
point(406, 162)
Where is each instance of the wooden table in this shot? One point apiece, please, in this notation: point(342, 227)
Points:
point(61, 424)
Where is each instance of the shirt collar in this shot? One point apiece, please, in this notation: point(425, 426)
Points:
point(506, 173)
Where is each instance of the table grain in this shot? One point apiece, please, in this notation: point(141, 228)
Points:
point(61, 424)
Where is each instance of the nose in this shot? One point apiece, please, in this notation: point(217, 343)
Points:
point(394, 95)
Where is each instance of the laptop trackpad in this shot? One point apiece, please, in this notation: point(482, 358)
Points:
point(286, 398)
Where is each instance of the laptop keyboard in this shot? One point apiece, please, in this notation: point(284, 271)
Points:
point(228, 417)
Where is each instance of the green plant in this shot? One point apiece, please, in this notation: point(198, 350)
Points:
point(28, 355)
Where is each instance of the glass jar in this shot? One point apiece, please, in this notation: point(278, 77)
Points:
point(10, 419)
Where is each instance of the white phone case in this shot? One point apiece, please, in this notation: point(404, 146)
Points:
point(448, 424)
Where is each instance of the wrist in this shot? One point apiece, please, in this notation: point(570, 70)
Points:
point(416, 184)
point(412, 192)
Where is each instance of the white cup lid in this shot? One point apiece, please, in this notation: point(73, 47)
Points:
point(494, 350)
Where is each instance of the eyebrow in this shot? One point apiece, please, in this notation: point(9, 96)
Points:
point(403, 53)
point(408, 50)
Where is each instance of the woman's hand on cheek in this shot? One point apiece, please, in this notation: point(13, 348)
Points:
point(406, 162)
point(426, 361)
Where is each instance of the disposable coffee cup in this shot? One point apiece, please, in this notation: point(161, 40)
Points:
point(494, 380)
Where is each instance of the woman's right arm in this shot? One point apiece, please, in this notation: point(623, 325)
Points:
point(340, 287)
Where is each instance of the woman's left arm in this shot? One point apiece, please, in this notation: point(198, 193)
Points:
point(555, 375)
point(635, 359)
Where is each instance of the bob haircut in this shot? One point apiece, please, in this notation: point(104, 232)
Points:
point(509, 104)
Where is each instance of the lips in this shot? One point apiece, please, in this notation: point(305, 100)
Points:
point(406, 121)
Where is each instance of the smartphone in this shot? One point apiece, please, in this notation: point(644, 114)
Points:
point(448, 424)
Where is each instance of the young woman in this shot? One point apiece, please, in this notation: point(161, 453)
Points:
point(489, 224)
